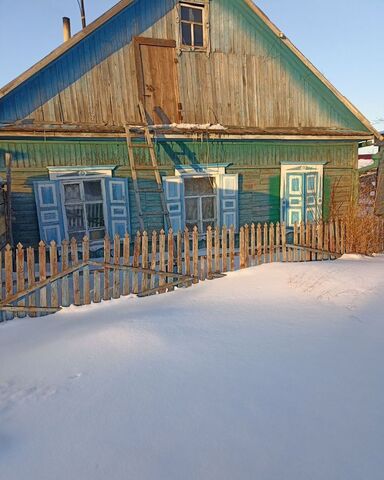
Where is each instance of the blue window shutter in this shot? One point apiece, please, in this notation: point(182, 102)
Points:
point(174, 195)
point(229, 200)
point(49, 210)
point(117, 200)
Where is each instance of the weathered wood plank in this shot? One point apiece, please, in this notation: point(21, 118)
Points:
point(126, 260)
point(75, 275)
point(65, 280)
point(54, 269)
point(107, 259)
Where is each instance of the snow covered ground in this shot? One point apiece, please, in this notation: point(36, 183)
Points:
point(272, 373)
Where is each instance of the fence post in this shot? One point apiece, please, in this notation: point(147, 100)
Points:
point(302, 252)
point(170, 254)
point(31, 276)
point(342, 238)
point(284, 241)
point(136, 262)
point(86, 277)
point(20, 274)
point(308, 240)
point(209, 252)
point(314, 240)
point(75, 275)
point(162, 260)
point(259, 244)
point(326, 237)
point(332, 236)
point(195, 250)
point(179, 242)
point(64, 280)
point(217, 249)
point(42, 273)
point(271, 242)
point(187, 252)
point(295, 241)
point(253, 244)
point(337, 235)
point(107, 259)
point(116, 272)
point(153, 258)
point(54, 271)
point(278, 237)
point(320, 238)
point(265, 243)
point(232, 247)
point(246, 246)
point(144, 260)
point(126, 260)
point(241, 246)
point(224, 248)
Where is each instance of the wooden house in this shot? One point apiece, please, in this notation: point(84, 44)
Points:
point(244, 128)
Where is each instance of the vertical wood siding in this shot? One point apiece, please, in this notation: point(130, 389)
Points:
point(250, 78)
point(257, 163)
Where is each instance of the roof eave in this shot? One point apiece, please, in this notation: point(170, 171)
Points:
point(282, 37)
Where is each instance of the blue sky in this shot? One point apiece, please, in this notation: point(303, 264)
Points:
point(341, 37)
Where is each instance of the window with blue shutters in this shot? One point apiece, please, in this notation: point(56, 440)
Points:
point(209, 198)
point(75, 207)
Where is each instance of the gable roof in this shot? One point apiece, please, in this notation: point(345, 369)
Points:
point(63, 48)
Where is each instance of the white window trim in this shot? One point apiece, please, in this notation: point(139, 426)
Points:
point(77, 179)
point(198, 171)
point(66, 173)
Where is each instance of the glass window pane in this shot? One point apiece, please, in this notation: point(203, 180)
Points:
point(72, 192)
point(191, 209)
point(208, 207)
point(75, 217)
point(186, 34)
point(92, 190)
point(198, 36)
point(192, 14)
point(95, 215)
point(199, 186)
point(197, 15)
point(185, 13)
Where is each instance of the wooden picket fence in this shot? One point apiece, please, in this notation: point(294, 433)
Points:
point(37, 282)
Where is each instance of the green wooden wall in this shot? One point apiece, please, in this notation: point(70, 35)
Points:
point(256, 162)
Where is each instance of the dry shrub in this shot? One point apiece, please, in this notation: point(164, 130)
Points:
point(364, 231)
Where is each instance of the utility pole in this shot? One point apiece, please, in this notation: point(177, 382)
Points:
point(82, 12)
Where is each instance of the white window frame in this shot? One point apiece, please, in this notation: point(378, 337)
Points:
point(200, 219)
point(80, 180)
point(196, 171)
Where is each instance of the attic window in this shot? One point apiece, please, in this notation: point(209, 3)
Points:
point(192, 25)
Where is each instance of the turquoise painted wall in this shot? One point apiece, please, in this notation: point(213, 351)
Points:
point(256, 162)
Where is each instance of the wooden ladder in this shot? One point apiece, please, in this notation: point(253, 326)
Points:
point(154, 168)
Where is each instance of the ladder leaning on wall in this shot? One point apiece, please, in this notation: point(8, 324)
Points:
point(131, 131)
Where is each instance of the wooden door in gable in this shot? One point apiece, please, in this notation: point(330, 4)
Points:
point(156, 65)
